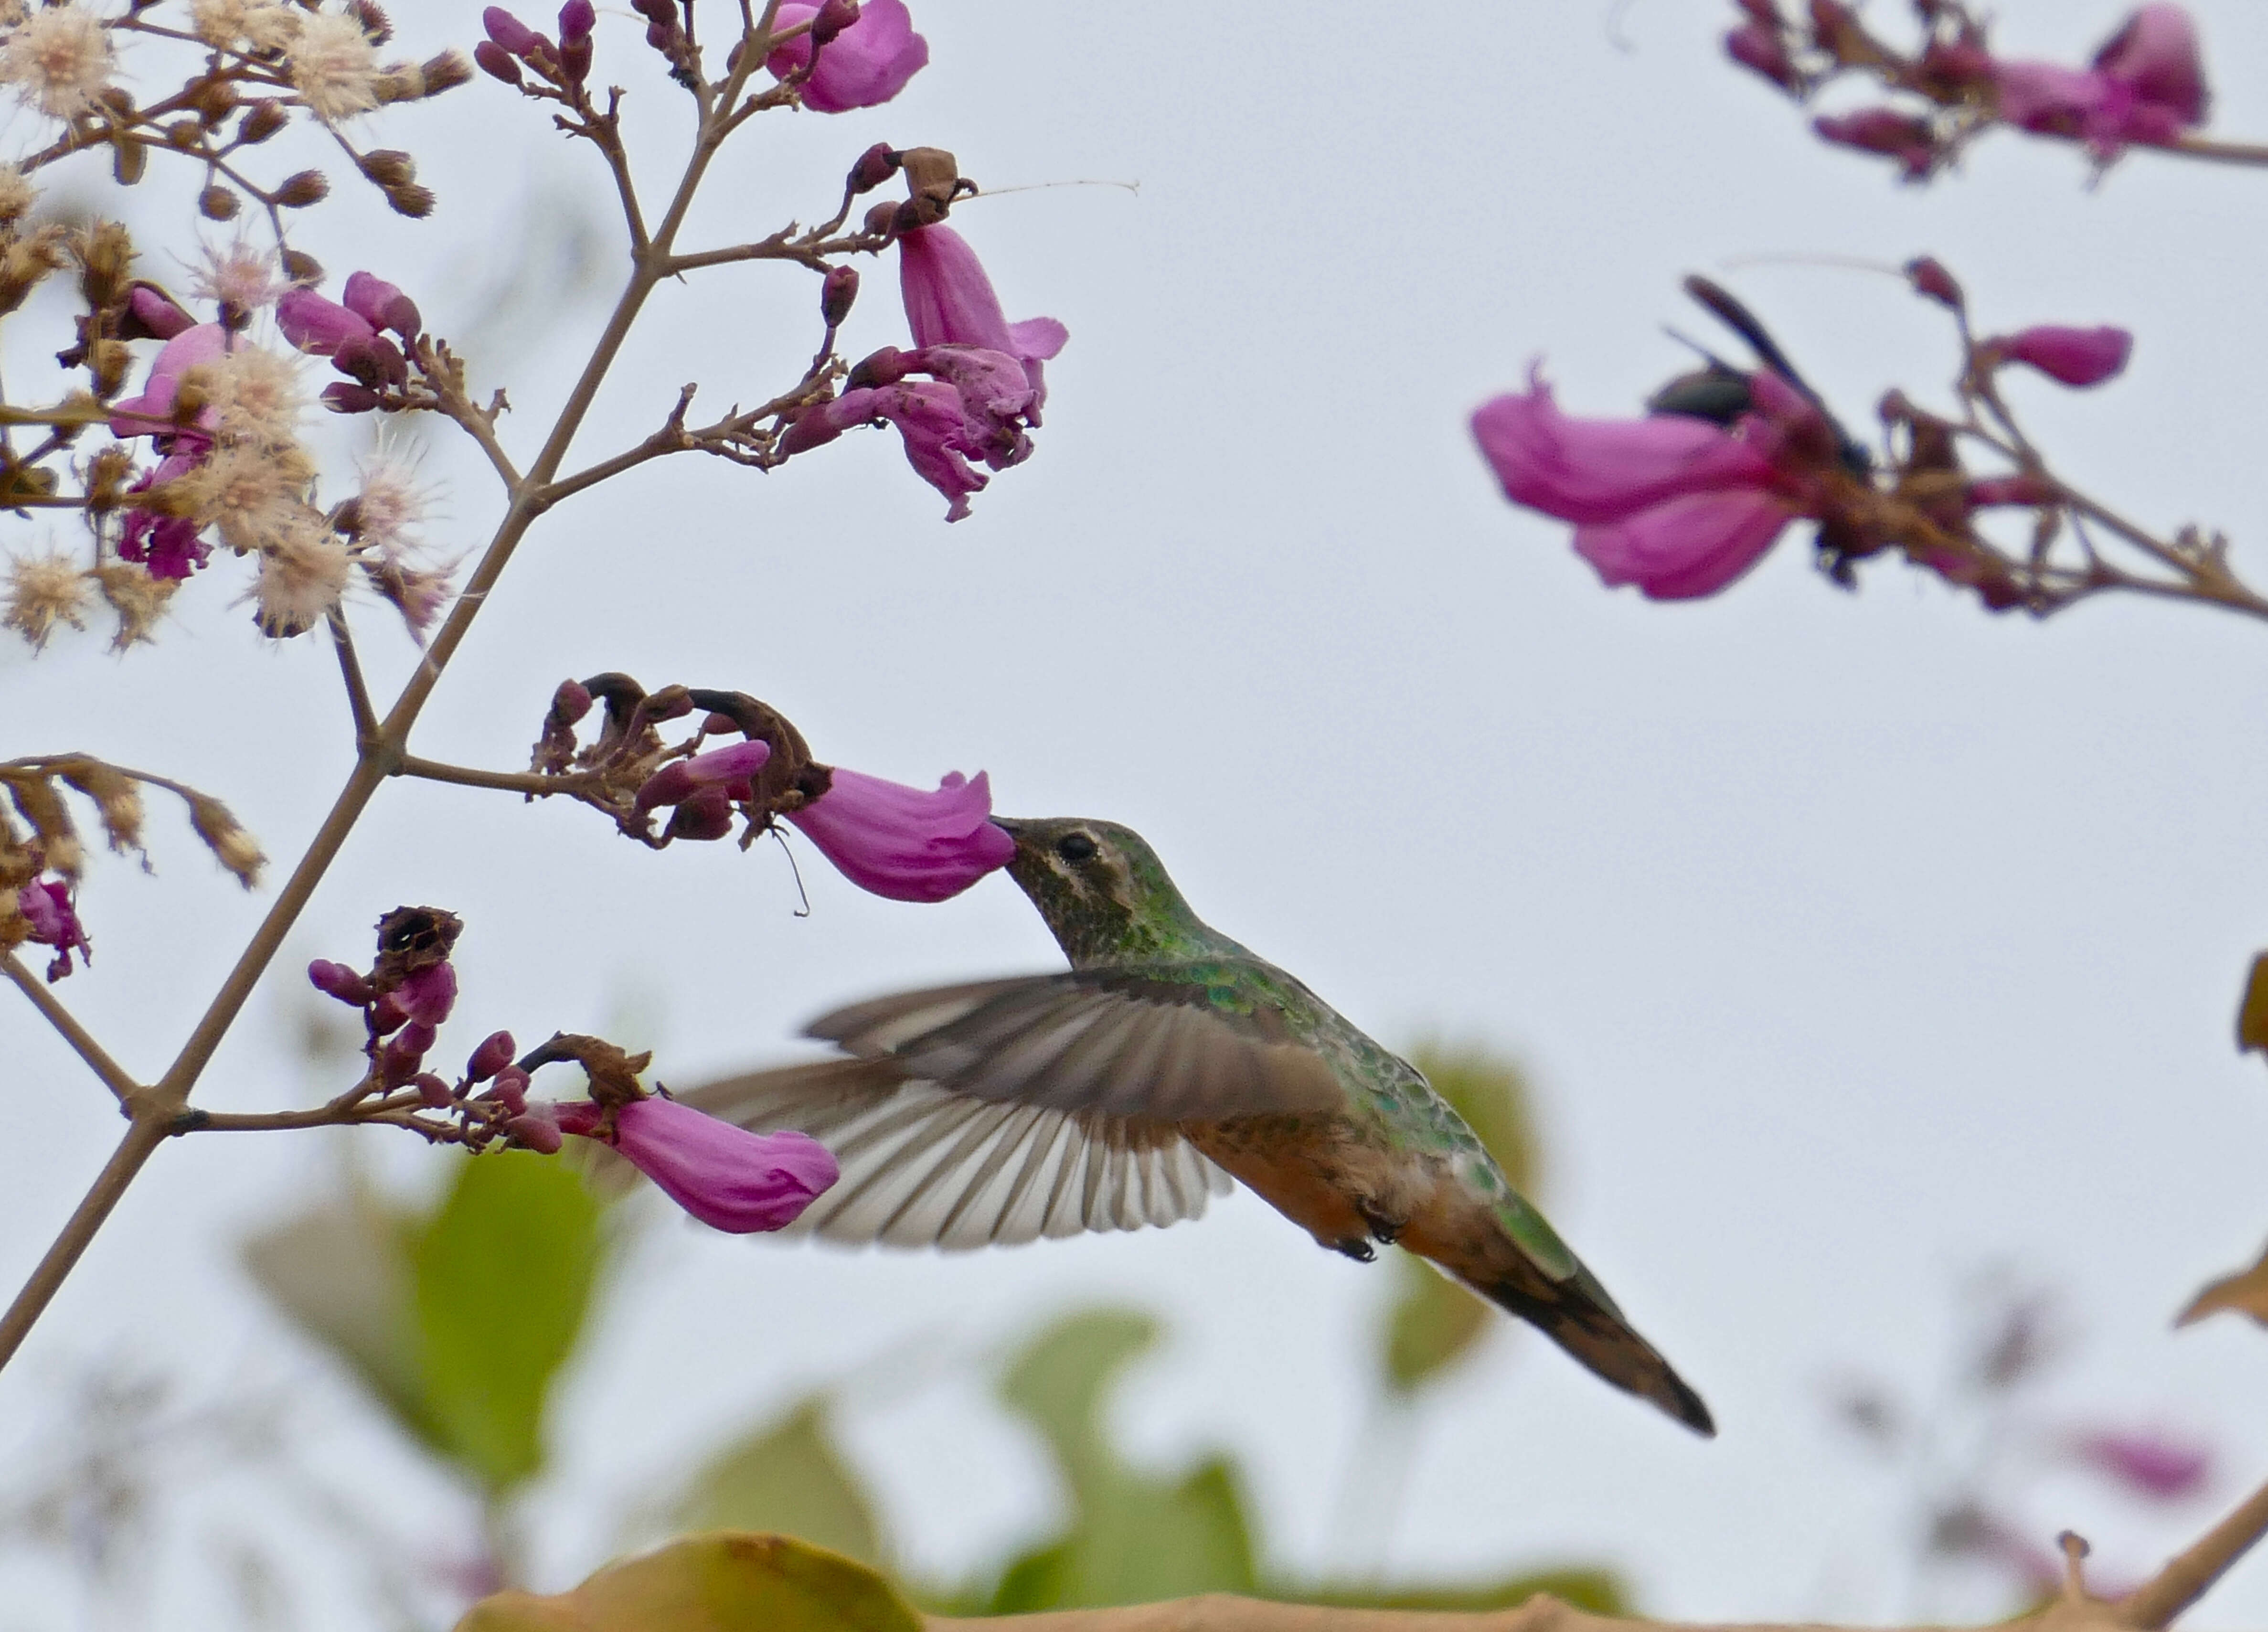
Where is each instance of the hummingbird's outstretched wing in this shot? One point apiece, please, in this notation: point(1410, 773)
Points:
point(1163, 1043)
point(924, 1166)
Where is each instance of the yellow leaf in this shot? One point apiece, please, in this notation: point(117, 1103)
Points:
point(2246, 1291)
point(727, 1581)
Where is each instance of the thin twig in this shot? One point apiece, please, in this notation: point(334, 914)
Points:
point(2221, 153)
point(2187, 1577)
point(365, 718)
point(98, 1058)
point(144, 1135)
point(535, 783)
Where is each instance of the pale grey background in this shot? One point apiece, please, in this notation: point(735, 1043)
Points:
point(1856, 942)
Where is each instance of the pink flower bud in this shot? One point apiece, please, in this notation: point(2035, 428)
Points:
point(577, 19)
point(509, 32)
point(727, 1176)
point(833, 18)
point(344, 398)
point(386, 1015)
point(575, 59)
point(403, 1054)
point(836, 295)
point(314, 324)
point(876, 165)
point(496, 1051)
point(666, 786)
point(2076, 356)
point(707, 816)
point(339, 981)
point(2149, 1465)
point(570, 702)
point(381, 305)
point(509, 1089)
point(432, 1092)
point(497, 62)
point(1911, 141)
point(1758, 47)
point(536, 1130)
point(429, 995)
point(885, 367)
point(1931, 280)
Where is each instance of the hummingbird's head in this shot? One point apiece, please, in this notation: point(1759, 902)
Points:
point(1100, 888)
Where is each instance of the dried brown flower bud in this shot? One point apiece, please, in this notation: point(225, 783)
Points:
point(105, 252)
point(302, 268)
point(137, 599)
point(214, 100)
point(118, 99)
point(218, 203)
point(876, 165)
point(52, 827)
point(401, 82)
point(374, 21)
point(185, 133)
point(411, 200)
point(261, 120)
point(302, 188)
point(130, 160)
point(445, 72)
point(117, 797)
point(107, 474)
point(108, 360)
point(26, 262)
point(411, 938)
point(880, 219)
point(388, 166)
point(836, 295)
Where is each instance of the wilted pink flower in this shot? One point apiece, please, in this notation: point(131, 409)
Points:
point(47, 907)
point(864, 66)
point(903, 843)
point(721, 768)
point(151, 413)
point(160, 315)
point(950, 302)
point(1679, 506)
point(169, 546)
point(2149, 1465)
point(2077, 356)
point(321, 326)
point(2146, 85)
point(727, 1176)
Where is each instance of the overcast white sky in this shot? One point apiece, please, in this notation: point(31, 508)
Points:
point(1856, 942)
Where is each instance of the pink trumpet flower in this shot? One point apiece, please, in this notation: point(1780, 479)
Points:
point(2146, 85)
point(727, 1176)
point(903, 843)
point(2077, 356)
point(950, 302)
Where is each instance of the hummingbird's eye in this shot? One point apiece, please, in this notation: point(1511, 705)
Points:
point(1075, 847)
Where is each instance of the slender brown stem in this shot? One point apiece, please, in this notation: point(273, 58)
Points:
point(535, 782)
point(2189, 1574)
point(2222, 152)
point(98, 1059)
point(365, 718)
point(144, 1135)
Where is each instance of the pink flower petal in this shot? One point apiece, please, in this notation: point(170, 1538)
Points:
point(905, 843)
point(1687, 547)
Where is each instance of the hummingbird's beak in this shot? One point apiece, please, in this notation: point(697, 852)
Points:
point(1015, 830)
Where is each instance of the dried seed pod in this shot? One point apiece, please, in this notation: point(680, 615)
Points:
point(445, 72)
point(108, 360)
point(261, 120)
point(232, 847)
point(302, 268)
point(218, 203)
point(130, 160)
point(411, 200)
point(116, 796)
point(303, 188)
point(388, 166)
point(105, 252)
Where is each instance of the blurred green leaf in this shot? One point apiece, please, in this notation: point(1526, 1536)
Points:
point(1432, 1322)
point(1135, 1536)
point(725, 1582)
point(502, 1279)
point(1599, 1591)
point(341, 1273)
point(789, 1476)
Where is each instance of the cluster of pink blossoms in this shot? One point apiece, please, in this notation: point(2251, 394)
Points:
point(2145, 84)
point(987, 380)
point(1682, 504)
point(726, 1177)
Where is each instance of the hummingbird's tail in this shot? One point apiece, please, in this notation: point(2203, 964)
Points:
point(1579, 1316)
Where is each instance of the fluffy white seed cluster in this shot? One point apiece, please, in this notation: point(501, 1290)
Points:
point(334, 67)
point(387, 514)
point(257, 26)
point(44, 591)
point(57, 59)
point(240, 275)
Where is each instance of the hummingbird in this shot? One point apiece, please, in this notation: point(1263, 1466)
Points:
point(1168, 1064)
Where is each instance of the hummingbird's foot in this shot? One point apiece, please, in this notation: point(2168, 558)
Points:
point(1356, 1248)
